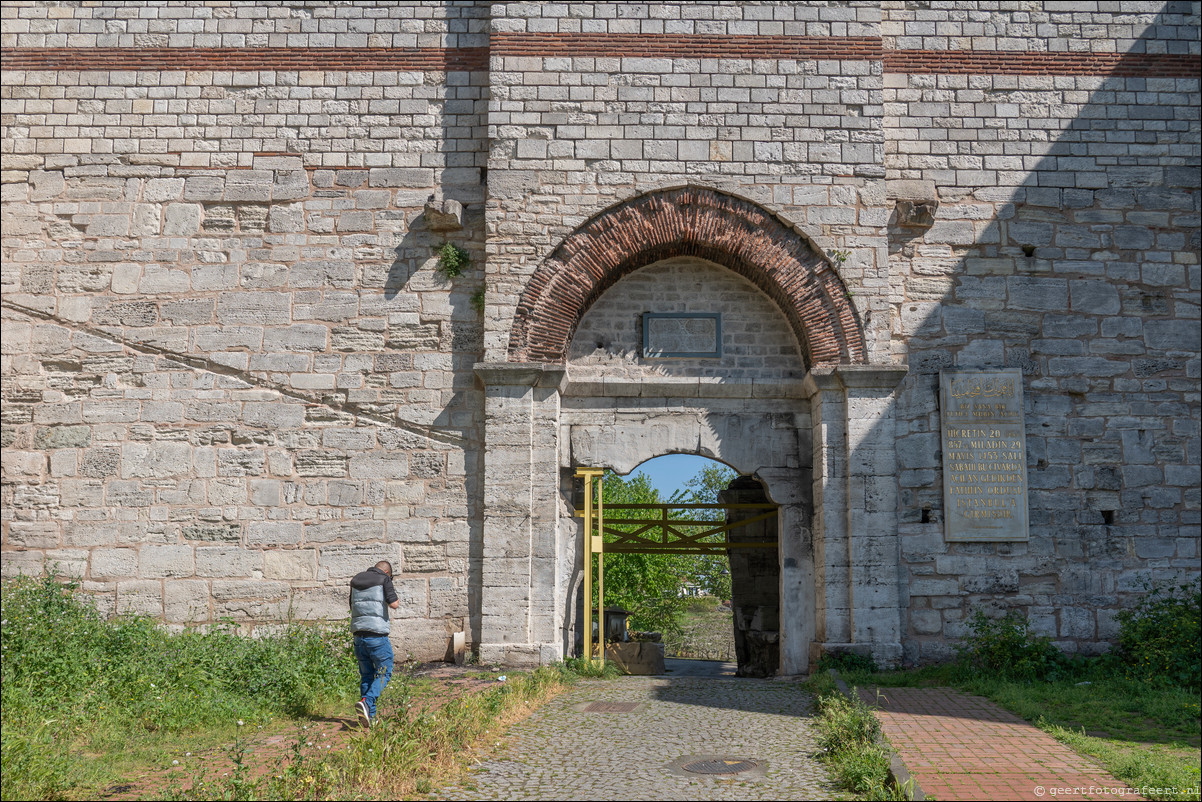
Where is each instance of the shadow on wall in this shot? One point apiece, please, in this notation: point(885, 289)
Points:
point(1084, 275)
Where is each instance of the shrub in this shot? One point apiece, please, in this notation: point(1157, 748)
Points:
point(74, 681)
point(61, 655)
point(1159, 638)
point(452, 260)
point(1007, 649)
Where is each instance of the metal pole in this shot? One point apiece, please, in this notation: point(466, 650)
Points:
point(588, 474)
point(588, 564)
point(601, 565)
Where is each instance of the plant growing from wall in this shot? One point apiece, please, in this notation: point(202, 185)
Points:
point(452, 260)
point(1159, 637)
point(478, 300)
point(1006, 647)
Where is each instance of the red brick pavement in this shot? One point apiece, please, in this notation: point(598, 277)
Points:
point(958, 746)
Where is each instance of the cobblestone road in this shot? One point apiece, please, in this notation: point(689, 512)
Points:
point(564, 751)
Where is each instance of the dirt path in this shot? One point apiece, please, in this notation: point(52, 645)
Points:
point(266, 750)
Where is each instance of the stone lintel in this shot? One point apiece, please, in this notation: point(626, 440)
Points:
point(884, 377)
point(525, 374)
point(685, 387)
point(847, 377)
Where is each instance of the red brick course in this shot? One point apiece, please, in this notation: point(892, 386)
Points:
point(668, 45)
point(697, 222)
point(248, 58)
point(604, 45)
point(957, 746)
point(1009, 62)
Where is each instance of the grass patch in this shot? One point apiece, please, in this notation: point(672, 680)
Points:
point(706, 632)
point(91, 702)
point(87, 698)
point(851, 740)
point(1157, 771)
point(1145, 734)
point(400, 757)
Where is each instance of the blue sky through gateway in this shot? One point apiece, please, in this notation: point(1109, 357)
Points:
point(670, 472)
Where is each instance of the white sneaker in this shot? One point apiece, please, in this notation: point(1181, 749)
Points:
point(364, 717)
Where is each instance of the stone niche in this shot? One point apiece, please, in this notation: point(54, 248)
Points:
point(755, 583)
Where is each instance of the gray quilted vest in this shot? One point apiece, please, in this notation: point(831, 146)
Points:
point(369, 613)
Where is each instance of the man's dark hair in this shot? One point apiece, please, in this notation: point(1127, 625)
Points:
point(385, 566)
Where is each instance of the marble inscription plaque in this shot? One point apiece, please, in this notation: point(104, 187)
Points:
point(667, 335)
point(984, 455)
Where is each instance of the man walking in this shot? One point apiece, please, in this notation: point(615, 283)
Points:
point(372, 596)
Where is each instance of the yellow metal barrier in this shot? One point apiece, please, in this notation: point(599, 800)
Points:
point(662, 534)
point(594, 521)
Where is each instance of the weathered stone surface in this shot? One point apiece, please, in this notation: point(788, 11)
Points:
point(290, 565)
point(224, 329)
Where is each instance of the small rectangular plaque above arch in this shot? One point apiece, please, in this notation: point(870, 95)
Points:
point(676, 335)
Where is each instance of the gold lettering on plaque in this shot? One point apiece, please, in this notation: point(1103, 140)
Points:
point(984, 455)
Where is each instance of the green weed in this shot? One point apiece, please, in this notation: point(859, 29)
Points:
point(591, 668)
point(83, 695)
point(452, 260)
point(1006, 647)
point(852, 745)
point(1157, 771)
point(1160, 639)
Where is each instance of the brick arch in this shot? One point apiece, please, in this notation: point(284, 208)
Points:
point(690, 221)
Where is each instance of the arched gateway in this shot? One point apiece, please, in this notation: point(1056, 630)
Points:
point(690, 221)
point(691, 321)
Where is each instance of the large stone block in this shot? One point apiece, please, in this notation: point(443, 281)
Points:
point(1173, 335)
point(409, 177)
point(321, 604)
point(300, 564)
point(112, 563)
point(140, 597)
point(181, 219)
point(166, 561)
point(155, 460)
point(227, 562)
point(34, 534)
point(257, 308)
point(186, 601)
point(274, 533)
point(22, 563)
point(343, 561)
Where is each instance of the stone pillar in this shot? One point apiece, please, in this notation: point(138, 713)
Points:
point(832, 571)
point(875, 552)
point(857, 554)
point(755, 582)
point(519, 606)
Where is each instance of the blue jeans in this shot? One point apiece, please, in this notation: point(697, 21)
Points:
point(375, 668)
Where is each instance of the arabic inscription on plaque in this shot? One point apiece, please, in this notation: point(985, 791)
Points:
point(984, 455)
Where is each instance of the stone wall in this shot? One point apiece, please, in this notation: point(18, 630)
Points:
point(1065, 244)
point(756, 340)
point(580, 121)
point(232, 376)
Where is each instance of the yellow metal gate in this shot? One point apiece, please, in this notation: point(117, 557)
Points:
point(662, 533)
